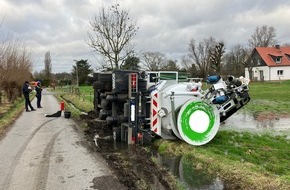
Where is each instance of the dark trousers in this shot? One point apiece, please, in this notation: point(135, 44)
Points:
point(38, 97)
point(27, 103)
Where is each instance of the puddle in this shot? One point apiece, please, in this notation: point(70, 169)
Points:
point(190, 178)
point(243, 122)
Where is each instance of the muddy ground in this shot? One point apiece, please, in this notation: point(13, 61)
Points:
point(132, 164)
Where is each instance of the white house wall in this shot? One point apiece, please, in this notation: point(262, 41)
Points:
point(269, 73)
point(257, 71)
point(285, 76)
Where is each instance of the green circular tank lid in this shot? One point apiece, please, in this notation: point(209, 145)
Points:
point(198, 122)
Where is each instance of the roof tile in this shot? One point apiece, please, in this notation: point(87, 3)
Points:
point(266, 52)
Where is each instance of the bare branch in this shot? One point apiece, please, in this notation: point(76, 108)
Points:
point(110, 33)
point(153, 61)
point(264, 36)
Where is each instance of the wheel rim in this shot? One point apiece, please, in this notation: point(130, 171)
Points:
point(198, 122)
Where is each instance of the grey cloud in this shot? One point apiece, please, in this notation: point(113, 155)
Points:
point(165, 26)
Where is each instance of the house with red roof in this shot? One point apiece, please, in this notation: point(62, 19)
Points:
point(269, 64)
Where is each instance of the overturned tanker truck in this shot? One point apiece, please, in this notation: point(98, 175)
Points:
point(138, 106)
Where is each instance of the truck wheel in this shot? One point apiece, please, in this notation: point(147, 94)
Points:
point(198, 122)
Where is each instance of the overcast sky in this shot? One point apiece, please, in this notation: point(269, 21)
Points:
point(166, 26)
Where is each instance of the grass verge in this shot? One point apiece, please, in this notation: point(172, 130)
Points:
point(10, 115)
point(244, 160)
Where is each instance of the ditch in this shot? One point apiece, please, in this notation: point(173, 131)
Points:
point(142, 167)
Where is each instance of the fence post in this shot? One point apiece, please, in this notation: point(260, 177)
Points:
point(90, 95)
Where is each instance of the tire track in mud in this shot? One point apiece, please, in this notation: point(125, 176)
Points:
point(42, 173)
point(7, 180)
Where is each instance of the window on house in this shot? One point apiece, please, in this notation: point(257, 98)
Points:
point(280, 72)
point(278, 59)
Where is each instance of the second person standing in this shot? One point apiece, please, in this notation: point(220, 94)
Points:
point(38, 90)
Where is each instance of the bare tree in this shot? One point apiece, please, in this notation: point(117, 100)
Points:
point(235, 60)
point(216, 55)
point(171, 65)
point(263, 36)
point(15, 67)
point(153, 61)
point(188, 66)
point(47, 66)
point(110, 33)
point(200, 55)
point(185, 62)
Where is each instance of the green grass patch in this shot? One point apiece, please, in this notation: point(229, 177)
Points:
point(81, 98)
point(269, 153)
point(10, 114)
point(269, 97)
point(79, 102)
point(271, 91)
point(87, 93)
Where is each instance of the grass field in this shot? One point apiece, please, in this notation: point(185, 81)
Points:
point(270, 91)
point(269, 97)
point(87, 92)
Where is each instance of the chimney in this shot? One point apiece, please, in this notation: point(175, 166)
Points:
point(277, 46)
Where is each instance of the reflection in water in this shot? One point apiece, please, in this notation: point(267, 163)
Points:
point(190, 178)
point(245, 122)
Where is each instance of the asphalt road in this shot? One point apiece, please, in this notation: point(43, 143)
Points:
point(50, 153)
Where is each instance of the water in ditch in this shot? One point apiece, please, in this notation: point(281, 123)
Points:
point(190, 178)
